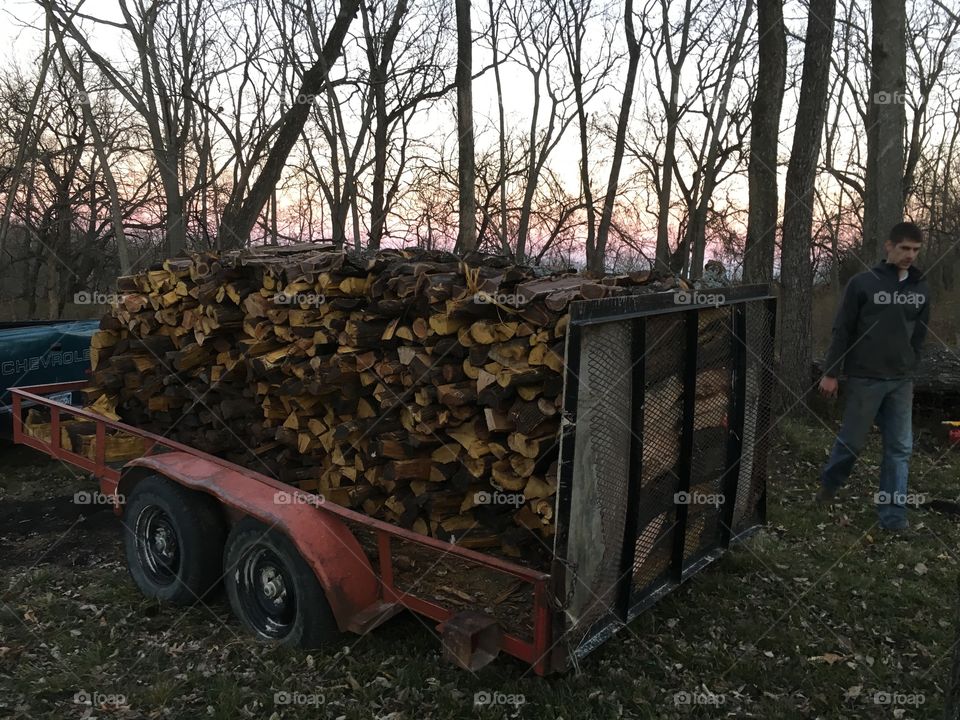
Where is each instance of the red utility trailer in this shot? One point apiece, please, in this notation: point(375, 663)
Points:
point(639, 444)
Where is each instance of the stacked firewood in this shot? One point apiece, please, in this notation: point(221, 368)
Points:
point(415, 386)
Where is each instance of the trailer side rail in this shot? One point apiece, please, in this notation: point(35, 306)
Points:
point(533, 650)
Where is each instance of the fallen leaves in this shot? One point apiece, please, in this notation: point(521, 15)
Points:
point(829, 658)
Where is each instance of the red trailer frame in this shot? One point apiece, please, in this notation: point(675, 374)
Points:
point(621, 544)
point(361, 595)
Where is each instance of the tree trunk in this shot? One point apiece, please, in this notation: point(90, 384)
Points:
point(666, 175)
point(714, 163)
point(379, 65)
point(33, 276)
point(596, 262)
point(796, 273)
point(502, 141)
point(886, 122)
point(533, 170)
point(175, 227)
point(23, 145)
point(585, 188)
point(240, 219)
point(467, 235)
point(760, 245)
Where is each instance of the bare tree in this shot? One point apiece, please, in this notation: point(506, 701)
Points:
point(151, 85)
point(22, 144)
point(675, 52)
point(714, 151)
point(240, 217)
point(379, 56)
point(796, 276)
point(759, 250)
point(588, 76)
point(596, 256)
point(930, 41)
point(501, 124)
point(883, 202)
point(467, 236)
point(116, 215)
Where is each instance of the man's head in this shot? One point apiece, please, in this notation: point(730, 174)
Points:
point(903, 245)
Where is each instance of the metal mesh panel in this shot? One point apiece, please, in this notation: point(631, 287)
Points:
point(709, 460)
point(644, 420)
point(662, 416)
point(758, 391)
point(602, 464)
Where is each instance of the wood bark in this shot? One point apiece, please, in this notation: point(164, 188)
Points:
point(467, 174)
point(886, 121)
point(760, 246)
point(595, 263)
point(796, 276)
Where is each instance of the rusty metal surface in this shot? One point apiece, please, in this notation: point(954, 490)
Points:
point(471, 640)
point(358, 579)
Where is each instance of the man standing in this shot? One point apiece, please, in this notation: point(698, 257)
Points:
point(877, 336)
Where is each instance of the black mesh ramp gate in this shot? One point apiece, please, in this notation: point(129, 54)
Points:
point(663, 449)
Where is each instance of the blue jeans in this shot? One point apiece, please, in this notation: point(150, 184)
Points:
point(890, 403)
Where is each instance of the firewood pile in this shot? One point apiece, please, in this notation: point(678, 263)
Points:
point(415, 386)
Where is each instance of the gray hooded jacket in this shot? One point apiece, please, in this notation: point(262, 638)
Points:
point(880, 325)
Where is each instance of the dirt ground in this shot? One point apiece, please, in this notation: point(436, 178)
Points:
point(818, 615)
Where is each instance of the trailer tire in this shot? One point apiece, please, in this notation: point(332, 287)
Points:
point(174, 541)
point(272, 590)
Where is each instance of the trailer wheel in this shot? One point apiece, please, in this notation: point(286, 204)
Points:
point(174, 541)
point(273, 591)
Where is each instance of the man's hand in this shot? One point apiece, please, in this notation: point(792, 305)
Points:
point(828, 386)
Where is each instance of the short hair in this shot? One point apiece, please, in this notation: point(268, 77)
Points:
point(905, 231)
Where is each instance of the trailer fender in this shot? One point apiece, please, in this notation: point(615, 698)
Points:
point(323, 540)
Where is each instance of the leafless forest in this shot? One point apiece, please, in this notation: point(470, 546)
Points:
point(782, 139)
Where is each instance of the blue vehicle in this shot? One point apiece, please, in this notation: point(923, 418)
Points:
point(34, 353)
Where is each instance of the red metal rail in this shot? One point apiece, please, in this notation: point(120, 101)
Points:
point(536, 653)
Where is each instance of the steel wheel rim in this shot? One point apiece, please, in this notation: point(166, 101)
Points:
point(265, 592)
point(158, 548)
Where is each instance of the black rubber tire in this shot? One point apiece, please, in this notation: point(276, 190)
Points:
point(306, 620)
point(193, 521)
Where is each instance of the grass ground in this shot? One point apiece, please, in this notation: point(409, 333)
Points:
point(816, 616)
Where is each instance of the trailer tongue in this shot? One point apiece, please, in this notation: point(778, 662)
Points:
point(663, 465)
